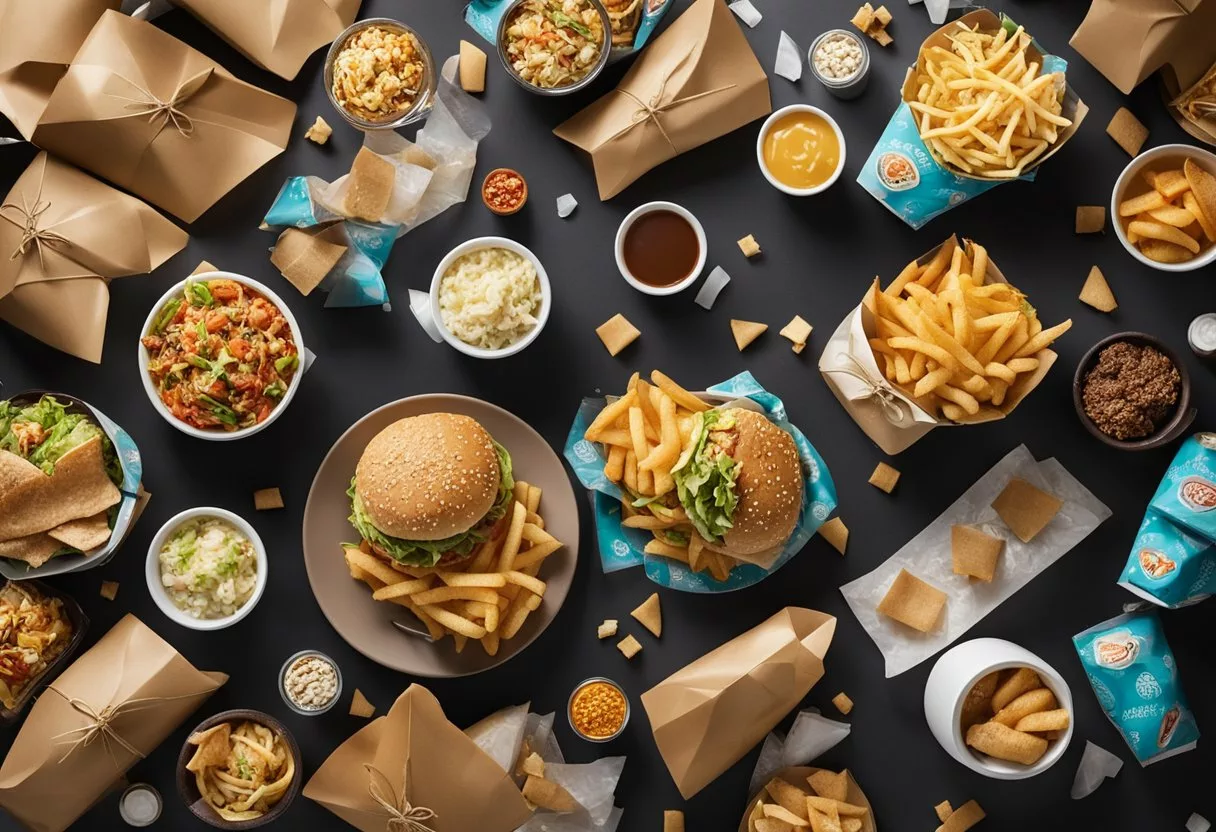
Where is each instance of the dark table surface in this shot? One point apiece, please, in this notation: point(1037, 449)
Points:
point(819, 255)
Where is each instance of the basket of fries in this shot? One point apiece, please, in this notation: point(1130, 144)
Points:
point(948, 342)
point(643, 456)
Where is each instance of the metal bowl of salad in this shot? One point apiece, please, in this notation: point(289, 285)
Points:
point(220, 356)
point(206, 568)
point(554, 47)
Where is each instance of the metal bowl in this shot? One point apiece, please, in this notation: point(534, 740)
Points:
point(592, 74)
point(430, 78)
point(570, 704)
point(1169, 430)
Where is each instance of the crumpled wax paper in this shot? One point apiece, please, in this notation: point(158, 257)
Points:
point(928, 557)
point(431, 174)
point(811, 735)
point(1096, 765)
point(513, 733)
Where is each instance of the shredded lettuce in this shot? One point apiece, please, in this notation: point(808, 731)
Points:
point(63, 431)
point(705, 485)
point(428, 552)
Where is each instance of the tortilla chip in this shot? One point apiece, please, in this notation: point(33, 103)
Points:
point(650, 614)
point(79, 488)
point(1096, 292)
point(84, 534)
point(1025, 509)
point(212, 747)
point(35, 549)
point(745, 332)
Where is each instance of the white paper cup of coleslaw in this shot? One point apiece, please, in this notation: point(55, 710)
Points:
point(145, 357)
point(425, 305)
point(157, 589)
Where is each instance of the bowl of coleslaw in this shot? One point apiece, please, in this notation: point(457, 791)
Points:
point(554, 47)
point(220, 356)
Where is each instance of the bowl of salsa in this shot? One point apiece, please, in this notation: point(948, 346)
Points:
point(220, 356)
point(800, 150)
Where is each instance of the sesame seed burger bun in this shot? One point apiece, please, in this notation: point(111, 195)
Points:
point(769, 486)
point(428, 477)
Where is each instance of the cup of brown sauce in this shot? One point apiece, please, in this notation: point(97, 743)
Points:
point(660, 248)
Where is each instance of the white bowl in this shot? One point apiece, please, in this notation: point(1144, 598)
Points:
point(150, 388)
point(157, 589)
point(957, 671)
point(627, 223)
point(770, 121)
point(431, 309)
point(1204, 158)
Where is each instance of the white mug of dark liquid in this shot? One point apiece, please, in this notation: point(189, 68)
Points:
point(660, 248)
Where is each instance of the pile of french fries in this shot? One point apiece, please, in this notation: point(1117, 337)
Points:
point(1175, 220)
point(643, 434)
point(487, 597)
point(951, 341)
point(983, 105)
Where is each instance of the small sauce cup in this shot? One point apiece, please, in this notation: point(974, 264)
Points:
point(768, 125)
point(579, 688)
point(287, 665)
point(627, 223)
point(843, 88)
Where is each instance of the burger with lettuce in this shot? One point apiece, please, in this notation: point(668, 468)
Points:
point(429, 489)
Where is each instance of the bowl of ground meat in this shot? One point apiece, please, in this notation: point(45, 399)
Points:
point(1133, 392)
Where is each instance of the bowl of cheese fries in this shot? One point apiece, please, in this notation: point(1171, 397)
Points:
point(1164, 208)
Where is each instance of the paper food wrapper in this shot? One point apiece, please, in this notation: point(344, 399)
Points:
point(708, 715)
point(63, 236)
point(891, 417)
point(1129, 40)
point(926, 186)
point(811, 735)
point(111, 708)
point(1195, 108)
point(414, 761)
point(276, 36)
point(37, 42)
point(623, 548)
point(698, 81)
point(929, 557)
point(160, 119)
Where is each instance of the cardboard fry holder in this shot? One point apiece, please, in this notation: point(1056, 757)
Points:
point(63, 236)
point(144, 110)
point(111, 708)
point(276, 36)
point(708, 715)
point(698, 81)
point(890, 416)
point(413, 765)
point(37, 42)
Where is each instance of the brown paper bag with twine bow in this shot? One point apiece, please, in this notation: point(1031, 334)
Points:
point(276, 36)
point(698, 81)
point(708, 715)
point(108, 710)
point(891, 417)
point(414, 771)
point(37, 42)
point(63, 236)
point(144, 110)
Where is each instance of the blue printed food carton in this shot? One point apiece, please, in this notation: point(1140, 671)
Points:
point(1134, 676)
point(1187, 494)
point(1168, 566)
point(962, 129)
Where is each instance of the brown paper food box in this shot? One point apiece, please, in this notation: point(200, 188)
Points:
point(37, 42)
point(414, 758)
point(698, 81)
point(112, 707)
point(869, 414)
point(63, 236)
point(160, 119)
point(276, 36)
point(708, 715)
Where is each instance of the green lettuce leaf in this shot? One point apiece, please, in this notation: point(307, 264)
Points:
point(705, 485)
point(65, 432)
point(428, 552)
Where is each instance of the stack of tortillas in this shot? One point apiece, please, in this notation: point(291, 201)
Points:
point(41, 515)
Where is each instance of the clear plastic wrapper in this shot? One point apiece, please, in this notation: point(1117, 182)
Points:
point(1096, 765)
point(747, 12)
point(811, 735)
point(789, 59)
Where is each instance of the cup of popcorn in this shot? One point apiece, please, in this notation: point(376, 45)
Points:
point(379, 75)
point(840, 61)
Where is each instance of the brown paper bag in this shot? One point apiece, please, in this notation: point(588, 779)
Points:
point(1194, 108)
point(144, 110)
point(889, 416)
point(276, 36)
point(709, 714)
point(108, 710)
point(699, 80)
point(63, 235)
point(413, 764)
point(37, 42)
point(1129, 40)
